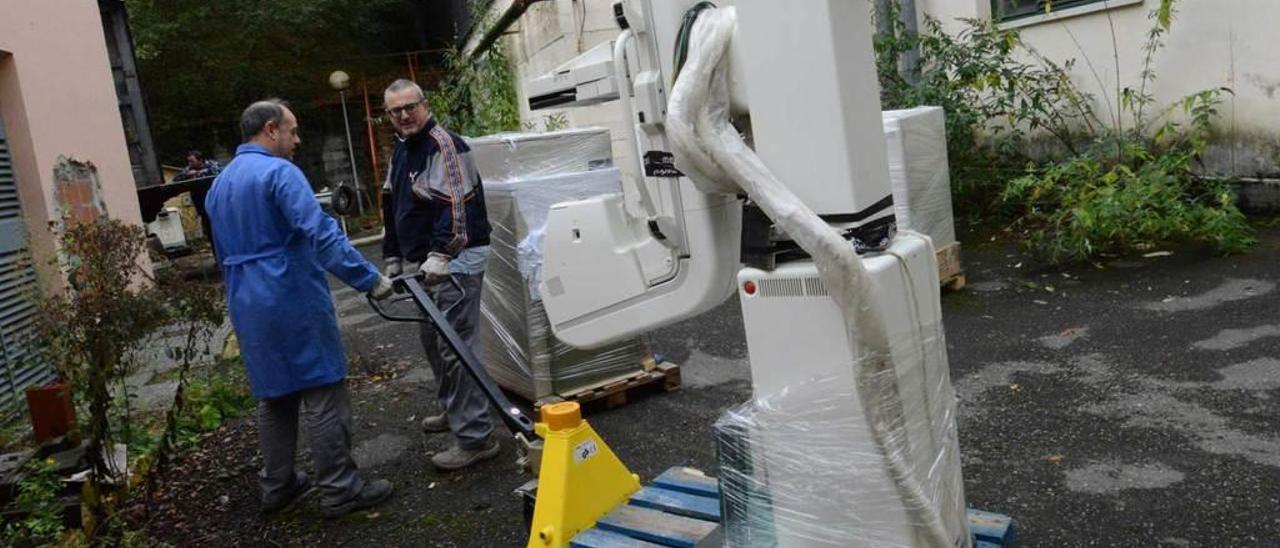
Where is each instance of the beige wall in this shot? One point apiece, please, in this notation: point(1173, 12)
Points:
point(1214, 43)
point(57, 98)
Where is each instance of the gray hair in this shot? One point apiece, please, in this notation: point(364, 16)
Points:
point(257, 115)
point(402, 84)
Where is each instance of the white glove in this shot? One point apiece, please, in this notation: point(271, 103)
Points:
point(394, 267)
point(381, 288)
point(435, 269)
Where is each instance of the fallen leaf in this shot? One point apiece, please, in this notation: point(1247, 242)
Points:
point(1015, 387)
point(1053, 458)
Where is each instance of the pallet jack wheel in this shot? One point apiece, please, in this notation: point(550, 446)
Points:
point(344, 200)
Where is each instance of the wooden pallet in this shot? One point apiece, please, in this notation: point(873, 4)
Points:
point(614, 392)
point(682, 508)
point(949, 272)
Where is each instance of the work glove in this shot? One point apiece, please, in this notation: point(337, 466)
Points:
point(381, 288)
point(435, 269)
point(394, 267)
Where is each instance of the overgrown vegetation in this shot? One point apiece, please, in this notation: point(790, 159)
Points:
point(93, 334)
point(550, 122)
point(206, 399)
point(37, 501)
point(1095, 184)
point(202, 62)
point(477, 97)
point(90, 332)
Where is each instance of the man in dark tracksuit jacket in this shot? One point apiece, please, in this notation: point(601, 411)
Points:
point(436, 222)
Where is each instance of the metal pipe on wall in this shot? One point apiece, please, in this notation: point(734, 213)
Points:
point(373, 144)
point(909, 63)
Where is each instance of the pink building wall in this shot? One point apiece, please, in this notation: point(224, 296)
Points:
point(57, 98)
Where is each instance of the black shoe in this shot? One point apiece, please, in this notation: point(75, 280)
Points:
point(374, 493)
point(301, 486)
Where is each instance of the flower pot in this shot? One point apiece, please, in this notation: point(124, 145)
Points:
point(52, 414)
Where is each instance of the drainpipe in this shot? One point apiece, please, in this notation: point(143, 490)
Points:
point(909, 64)
point(477, 45)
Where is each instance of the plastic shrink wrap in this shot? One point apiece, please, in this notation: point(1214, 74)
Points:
point(524, 174)
point(799, 467)
point(918, 169)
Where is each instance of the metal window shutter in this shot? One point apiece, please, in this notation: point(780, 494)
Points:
point(20, 367)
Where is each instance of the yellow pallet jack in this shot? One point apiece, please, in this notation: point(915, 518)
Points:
point(579, 479)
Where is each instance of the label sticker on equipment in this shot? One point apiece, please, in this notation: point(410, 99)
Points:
point(659, 163)
point(584, 451)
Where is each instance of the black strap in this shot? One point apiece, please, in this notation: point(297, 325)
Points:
point(875, 208)
point(865, 238)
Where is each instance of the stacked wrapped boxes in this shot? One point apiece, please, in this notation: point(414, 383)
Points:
point(524, 174)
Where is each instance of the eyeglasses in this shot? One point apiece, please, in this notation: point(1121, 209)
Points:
point(404, 110)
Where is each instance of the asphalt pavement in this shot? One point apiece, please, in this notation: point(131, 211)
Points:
point(1134, 402)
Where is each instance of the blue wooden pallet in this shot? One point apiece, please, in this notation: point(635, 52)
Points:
point(681, 508)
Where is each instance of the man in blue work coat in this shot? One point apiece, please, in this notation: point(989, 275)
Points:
point(275, 245)
point(436, 222)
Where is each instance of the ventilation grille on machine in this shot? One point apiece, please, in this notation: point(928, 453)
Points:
point(793, 287)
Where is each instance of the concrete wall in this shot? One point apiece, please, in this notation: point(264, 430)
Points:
point(1213, 43)
point(57, 98)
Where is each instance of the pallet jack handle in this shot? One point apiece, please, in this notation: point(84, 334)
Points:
point(512, 416)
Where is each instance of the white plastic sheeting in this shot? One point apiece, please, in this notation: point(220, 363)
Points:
point(504, 157)
point(531, 199)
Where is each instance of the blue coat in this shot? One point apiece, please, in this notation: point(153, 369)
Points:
point(275, 245)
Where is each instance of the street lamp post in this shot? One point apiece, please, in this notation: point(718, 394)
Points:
point(340, 81)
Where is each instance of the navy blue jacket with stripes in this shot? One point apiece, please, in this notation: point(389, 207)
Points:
point(433, 199)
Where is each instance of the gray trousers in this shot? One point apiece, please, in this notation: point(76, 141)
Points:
point(327, 412)
point(465, 406)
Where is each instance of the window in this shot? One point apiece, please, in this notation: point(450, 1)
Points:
point(1009, 10)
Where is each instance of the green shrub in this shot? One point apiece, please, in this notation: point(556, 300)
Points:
point(477, 96)
point(1123, 183)
point(37, 498)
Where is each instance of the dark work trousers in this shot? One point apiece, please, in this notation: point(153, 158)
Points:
point(465, 406)
point(327, 412)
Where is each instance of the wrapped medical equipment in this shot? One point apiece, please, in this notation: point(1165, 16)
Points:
point(524, 174)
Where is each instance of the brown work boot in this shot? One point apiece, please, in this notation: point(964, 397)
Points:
point(457, 457)
point(435, 424)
